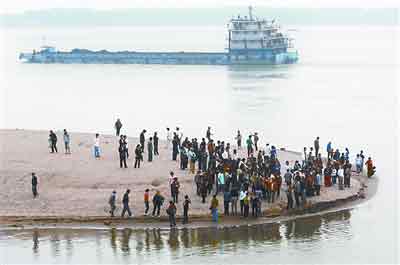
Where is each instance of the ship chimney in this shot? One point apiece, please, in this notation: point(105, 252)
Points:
point(250, 12)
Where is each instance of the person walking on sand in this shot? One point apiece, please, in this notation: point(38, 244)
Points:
point(66, 142)
point(208, 133)
point(118, 126)
point(155, 143)
point(34, 185)
point(97, 146)
point(138, 156)
point(111, 202)
point(146, 202)
point(125, 203)
point(158, 200)
point(239, 140)
point(53, 142)
point(186, 204)
point(150, 149)
point(142, 139)
point(316, 146)
point(171, 211)
point(214, 208)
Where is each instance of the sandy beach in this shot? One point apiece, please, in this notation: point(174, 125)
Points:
point(78, 185)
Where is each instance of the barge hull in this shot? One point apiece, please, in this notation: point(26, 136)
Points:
point(171, 58)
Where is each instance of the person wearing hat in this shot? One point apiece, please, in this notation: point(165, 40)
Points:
point(111, 201)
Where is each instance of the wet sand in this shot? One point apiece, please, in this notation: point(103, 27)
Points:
point(74, 189)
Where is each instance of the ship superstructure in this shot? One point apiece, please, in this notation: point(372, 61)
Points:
point(253, 40)
point(250, 41)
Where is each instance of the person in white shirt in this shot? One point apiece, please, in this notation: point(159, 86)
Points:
point(267, 150)
point(97, 146)
point(340, 174)
point(169, 139)
point(242, 195)
point(234, 155)
point(358, 163)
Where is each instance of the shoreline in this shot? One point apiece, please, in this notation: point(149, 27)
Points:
point(197, 218)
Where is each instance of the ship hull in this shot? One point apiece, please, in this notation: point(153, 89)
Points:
point(172, 58)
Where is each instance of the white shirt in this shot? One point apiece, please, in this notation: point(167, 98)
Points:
point(97, 141)
point(268, 150)
point(340, 172)
point(242, 195)
point(169, 136)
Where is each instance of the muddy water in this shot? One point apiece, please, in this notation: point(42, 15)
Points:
point(295, 240)
point(343, 89)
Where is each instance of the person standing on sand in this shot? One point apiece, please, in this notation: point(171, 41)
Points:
point(111, 202)
point(246, 202)
point(329, 150)
point(242, 195)
point(175, 147)
point(138, 155)
point(169, 138)
point(370, 167)
point(142, 139)
point(122, 155)
point(97, 146)
point(158, 200)
point(171, 211)
point(118, 126)
point(150, 149)
point(186, 204)
point(208, 133)
point(227, 200)
point(362, 160)
point(316, 146)
point(155, 143)
point(125, 203)
point(146, 202)
point(175, 189)
point(214, 208)
point(66, 142)
point(256, 138)
point(34, 185)
point(249, 143)
point(289, 195)
point(239, 140)
point(53, 141)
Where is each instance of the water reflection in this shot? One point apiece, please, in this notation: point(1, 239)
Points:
point(187, 241)
point(35, 239)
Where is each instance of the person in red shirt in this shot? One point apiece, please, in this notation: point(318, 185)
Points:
point(146, 202)
point(370, 167)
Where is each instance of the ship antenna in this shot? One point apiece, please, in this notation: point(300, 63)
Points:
point(251, 12)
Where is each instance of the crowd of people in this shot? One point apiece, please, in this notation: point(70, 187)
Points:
point(245, 180)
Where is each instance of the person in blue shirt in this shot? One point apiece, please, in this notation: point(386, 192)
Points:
point(329, 150)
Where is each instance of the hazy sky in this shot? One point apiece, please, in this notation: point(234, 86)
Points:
point(13, 6)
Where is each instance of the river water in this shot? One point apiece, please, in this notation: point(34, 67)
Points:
point(343, 89)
